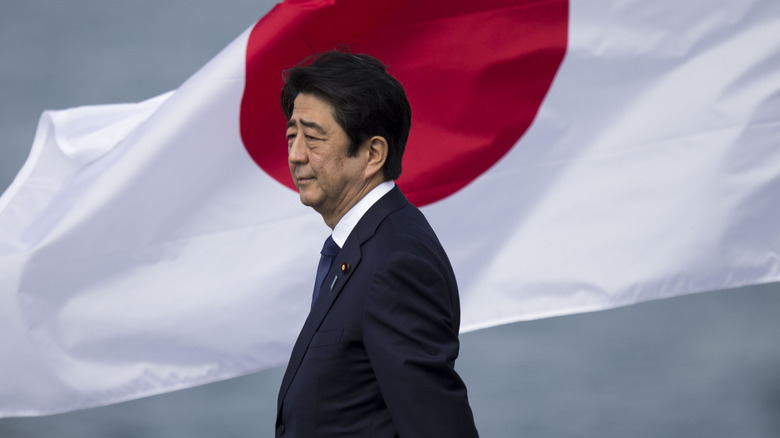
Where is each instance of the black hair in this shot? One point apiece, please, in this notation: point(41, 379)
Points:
point(367, 101)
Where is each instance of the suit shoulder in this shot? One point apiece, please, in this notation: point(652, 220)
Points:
point(407, 232)
point(408, 226)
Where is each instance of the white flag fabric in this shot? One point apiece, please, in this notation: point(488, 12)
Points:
point(149, 247)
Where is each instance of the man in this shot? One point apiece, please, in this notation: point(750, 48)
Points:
point(375, 357)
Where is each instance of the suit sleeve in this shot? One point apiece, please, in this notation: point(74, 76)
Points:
point(411, 337)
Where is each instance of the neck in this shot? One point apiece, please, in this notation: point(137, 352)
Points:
point(332, 219)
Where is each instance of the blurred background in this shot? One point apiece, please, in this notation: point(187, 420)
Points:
point(705, 365)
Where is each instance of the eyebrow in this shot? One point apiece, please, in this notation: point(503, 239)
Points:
point(313, 125)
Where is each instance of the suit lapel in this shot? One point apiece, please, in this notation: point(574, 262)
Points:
point(350, 254)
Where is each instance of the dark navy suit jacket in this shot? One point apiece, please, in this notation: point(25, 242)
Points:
point(375, 357)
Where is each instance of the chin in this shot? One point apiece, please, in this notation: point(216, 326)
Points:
point(307, 200)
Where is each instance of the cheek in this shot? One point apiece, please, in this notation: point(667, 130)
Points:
point(318, 165)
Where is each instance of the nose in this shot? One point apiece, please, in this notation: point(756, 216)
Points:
point(296, 150)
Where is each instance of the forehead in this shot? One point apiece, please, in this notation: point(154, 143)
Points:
point(310, 108)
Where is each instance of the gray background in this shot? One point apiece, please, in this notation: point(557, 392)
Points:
point(706, 365)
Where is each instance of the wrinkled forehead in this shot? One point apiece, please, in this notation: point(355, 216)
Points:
point(313, 112)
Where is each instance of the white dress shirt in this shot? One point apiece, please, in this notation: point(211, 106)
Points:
point(352, 217)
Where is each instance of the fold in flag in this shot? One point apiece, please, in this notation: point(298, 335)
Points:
point(572, 156)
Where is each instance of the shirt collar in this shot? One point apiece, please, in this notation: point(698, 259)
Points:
point(350, 219)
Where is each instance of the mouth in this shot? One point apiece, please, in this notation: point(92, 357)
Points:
point(304, 179)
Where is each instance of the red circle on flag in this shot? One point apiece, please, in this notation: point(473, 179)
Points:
point(475, 73)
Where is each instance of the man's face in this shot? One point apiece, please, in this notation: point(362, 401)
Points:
point(327, 179)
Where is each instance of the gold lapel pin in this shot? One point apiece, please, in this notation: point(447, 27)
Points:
point(345, 267)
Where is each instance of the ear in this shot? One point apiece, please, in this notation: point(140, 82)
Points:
point(377, 155)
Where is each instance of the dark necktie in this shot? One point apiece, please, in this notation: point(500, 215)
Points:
point(329, 251)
